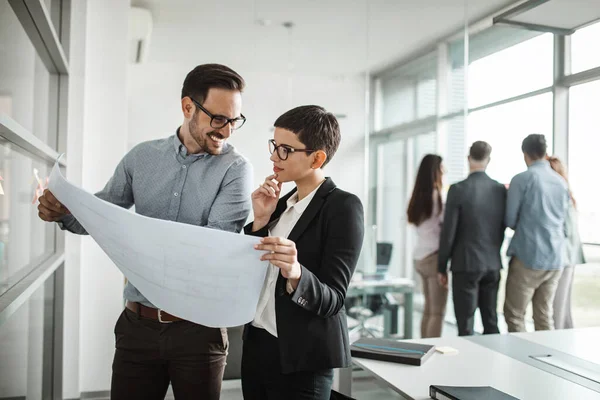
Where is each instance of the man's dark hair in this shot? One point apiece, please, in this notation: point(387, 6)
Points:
point(317, 128)
point(480, 151)
point(206, 76)
point(535, 146)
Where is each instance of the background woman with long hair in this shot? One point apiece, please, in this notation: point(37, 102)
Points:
point(426, 212)
point(562, 298)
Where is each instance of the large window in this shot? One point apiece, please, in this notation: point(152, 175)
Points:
point(500, 85)
point(25, 240)
point(504, 127)
point(28, 92)
point(585, 53)
point(32, 60)
point(519, 69)
point(584, 142)
point(398, 162)
point(503, 62)
point(408, 93)
point(26, 351)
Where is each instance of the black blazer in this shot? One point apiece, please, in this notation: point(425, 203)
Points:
point(311, 322)
point(473, 229)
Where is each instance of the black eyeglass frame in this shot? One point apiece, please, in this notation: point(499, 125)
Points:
point(231, 121)
point(289, 149)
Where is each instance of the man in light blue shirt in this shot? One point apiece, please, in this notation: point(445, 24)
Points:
point(192, 177)
point(536, 209)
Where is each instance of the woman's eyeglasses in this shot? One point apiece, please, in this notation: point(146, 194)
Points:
point(283, 150)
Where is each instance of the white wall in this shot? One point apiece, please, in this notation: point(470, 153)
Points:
point(104, 144)
point(75, 127)
point(155, 112)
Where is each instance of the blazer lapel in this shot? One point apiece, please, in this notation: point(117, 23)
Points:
point(313, 208)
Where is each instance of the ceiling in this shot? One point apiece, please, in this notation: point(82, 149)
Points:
point(332, 37)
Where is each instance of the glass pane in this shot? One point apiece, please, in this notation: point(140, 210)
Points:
point(26, 347)
point(586, 289)
point(25, 83)
point(519, 69)
point(398, 102)
point(408, 92)
point(398, 162)
point(392, 201)
point(426, 98)
point(454, 155)
point(584, 142)
point(584, 48)
point(25, 240)
point(503, 62)
point(504, 128)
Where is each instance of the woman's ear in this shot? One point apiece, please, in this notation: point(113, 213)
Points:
point(319, 159)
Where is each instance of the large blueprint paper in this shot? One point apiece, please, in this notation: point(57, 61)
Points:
point(206, 276)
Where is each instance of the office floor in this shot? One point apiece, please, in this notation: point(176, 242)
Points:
point(364, 386)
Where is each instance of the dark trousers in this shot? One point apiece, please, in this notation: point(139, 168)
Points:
point(149, 355)
point(471, 290)
point(262, 378)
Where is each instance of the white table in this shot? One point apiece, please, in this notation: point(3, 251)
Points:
point(474, 365)
point(582, 343)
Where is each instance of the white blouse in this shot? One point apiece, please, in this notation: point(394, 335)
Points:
point(428, 231)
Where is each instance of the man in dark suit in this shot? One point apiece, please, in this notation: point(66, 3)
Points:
point(472, 235)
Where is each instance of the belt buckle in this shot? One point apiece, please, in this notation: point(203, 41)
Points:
point(160, 318)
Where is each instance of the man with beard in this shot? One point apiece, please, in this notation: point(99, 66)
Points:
point(192, 177)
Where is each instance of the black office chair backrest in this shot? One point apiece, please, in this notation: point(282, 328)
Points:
point(384, 253)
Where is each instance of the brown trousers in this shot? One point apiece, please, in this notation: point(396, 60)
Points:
point(149, 355)
point(436, 297)
point(525, 285)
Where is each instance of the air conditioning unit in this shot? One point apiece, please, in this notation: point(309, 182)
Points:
point(140, 32)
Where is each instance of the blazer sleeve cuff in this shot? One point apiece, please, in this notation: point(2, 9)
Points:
point(299, 295)
point(263, 232)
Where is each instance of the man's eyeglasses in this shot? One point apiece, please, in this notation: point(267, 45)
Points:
point(283, 150)
point(219, 121)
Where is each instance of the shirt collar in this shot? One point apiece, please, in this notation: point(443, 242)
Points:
point(302, 205)
point(180, 148)
point(541, 162)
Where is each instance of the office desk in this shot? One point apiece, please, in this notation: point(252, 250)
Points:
point(383, 286)
point(571, 354)
point(581, 343)
point(475, 365)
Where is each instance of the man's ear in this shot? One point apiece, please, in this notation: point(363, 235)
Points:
point(188, 107)
point(319, 159)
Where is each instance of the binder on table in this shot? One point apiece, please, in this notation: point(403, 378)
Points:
point(392, 350)
point(467, 393)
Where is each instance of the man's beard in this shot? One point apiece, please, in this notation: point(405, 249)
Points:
point(203, 141)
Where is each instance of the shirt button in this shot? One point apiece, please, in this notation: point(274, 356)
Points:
point(175, 194)
point(184, 166)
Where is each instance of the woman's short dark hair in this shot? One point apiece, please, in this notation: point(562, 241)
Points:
point(535, 146)
point(316, 128)
point(429, 178)
point(206, 76)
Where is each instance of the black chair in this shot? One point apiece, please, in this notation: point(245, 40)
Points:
point(233, 369)
point(368, 306)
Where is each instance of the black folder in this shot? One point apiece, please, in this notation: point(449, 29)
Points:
point(392, 350)
point(467, 393)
